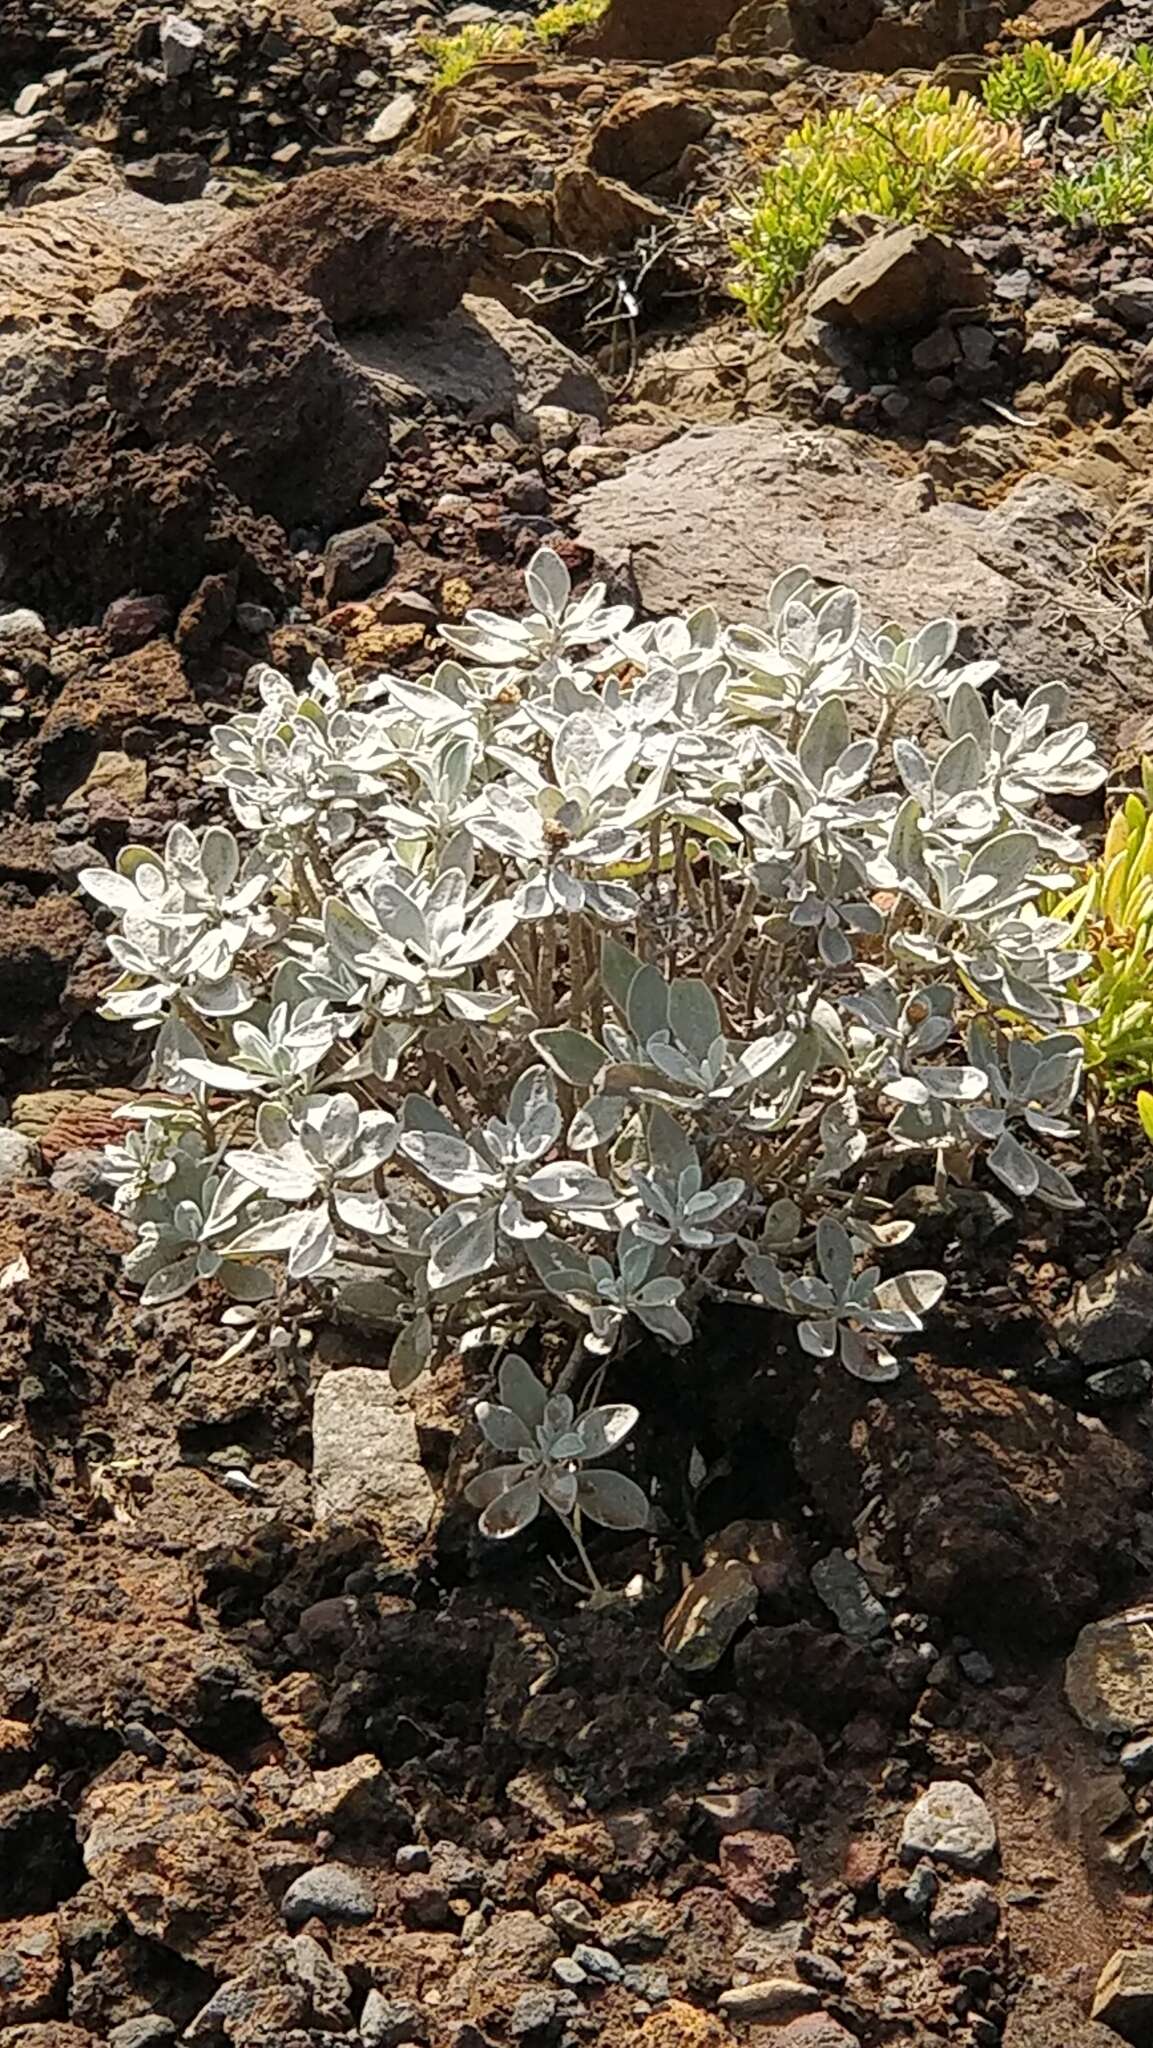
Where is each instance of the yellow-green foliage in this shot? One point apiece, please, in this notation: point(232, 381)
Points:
point(1118, 187)
point(1037, 77)
point(559, 21)
point(918, 159)
point(1112, 913)
point(455, 56)
point(459, 54)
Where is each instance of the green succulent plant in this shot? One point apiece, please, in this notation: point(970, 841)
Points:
point(1117, 187)
point(559, 21)
point(917, 159)
point(1031, 80)
point(456, 55)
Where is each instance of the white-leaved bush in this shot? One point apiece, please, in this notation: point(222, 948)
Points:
point(615, 967)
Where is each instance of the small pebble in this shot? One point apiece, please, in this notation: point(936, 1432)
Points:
point(597, 1962)
point(330, 1892)
point(413, 1856)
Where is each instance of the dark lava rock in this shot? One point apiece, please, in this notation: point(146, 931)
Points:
point(171, 177)
point(370, 242)
point(228, 356)
point(357, 561)
point(964, 1914)
point(1001, 1507)
point(108, 519)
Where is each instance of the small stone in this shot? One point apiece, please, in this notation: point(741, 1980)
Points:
point(820, 1971)
point(1109, 1674)
point(255, 618)
point(714, 1605)
point(918, 1895)
point(952, 1823)
point(330, 1892)
point(1132, 302)
point(535, 2012)
point(1123, 1999)
point(964, 1914)
point(516, 1945)
point(770, 1951)
point(1014, 287)
point(81, 1171)
point(366, 1465)
point(150, 2030)
point(181, 42)
point(18, 623)
point(1137, 1759)
point(556, 426)
point(387, 2022)
point(978, 346)
point(19, 1157)
point(172, 177)
point(357, 561)
point(130, 621)
point(412, 1858)
point(597, 1962)
point(938, 351)
point(976, 1667)
point(845, 1590)
point(758, 1869)
point(393, 119)
point(526, 493)
point(816, 2030)
point(572, 1918)
point(769, 1998)
point(569, 1973)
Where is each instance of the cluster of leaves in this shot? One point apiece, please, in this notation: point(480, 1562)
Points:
point(559, 21)
point(920, 158)
point(456, 55)
point(1037, 78)
point(929, 156)
point(1115, 185)
point(1111, 913)
point(613, 968)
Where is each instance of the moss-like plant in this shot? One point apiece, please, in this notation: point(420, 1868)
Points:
point(559, 21)
point(1031, 80)
point(918, 159)
point(456, 55)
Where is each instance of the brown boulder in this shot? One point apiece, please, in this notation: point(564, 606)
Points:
point(102, 520)
point(645, 135)
point(662, 31)
point(594, 213)
point(40, 943)
point(78, 259)
point(31, 1970)
point(98, 704)
point(173, 1853)
point(999, 1506)
point(902, 278)
point(370, 242)
point(227, 356)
